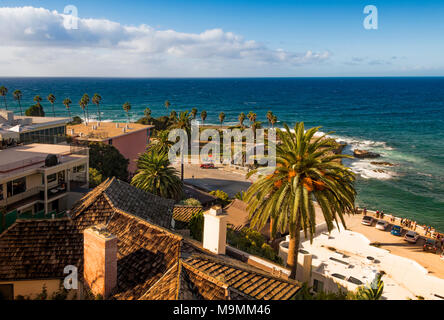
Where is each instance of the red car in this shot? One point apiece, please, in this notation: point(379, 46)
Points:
point(431, 245)
point(207, 165)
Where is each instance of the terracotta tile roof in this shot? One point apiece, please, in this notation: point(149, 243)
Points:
point(243, 279)
point(204, 198)
point(185, 213)
point(39, 249)
point(124, 197)
point(237, 214)
point(153, 262)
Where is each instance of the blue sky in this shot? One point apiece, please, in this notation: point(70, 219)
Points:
point(271, 38)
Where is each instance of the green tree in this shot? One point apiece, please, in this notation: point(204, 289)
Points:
point(221, 195)
point(273, 120)
point(156, 175)
point(161, 143)
point(35, 110)
point(173, 117)
point(96, 99)
point(127, 108)
point(252, 117)
point(191, 202)
point(67, 103)
point(18, 97)
point(203, 116)
point(147, 114)
point(95, 178)
point(196, 226)
point(221, 118)
point(167, 104)
point(241, 119)
point(306, 170)
point(37, 99)
point(108, 161)
point(51, 98)
point(370, 292)
point(83, 103)
point(269, 117)
point(3, 93)
point(194, 113)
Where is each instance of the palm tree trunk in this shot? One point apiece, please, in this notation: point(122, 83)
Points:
point(271, 228)
point(87, 115)
point(293, 250)
point(53, 112)
point(84, 116)
point(20, 105)
point(4, 99)
point(98, 109)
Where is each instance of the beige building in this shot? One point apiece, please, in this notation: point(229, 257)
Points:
point(30, 184)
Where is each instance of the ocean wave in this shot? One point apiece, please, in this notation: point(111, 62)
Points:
point(366, 170)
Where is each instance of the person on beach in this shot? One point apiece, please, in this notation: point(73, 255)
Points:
point(377, 213)
point(382, 214)
point(365, 211)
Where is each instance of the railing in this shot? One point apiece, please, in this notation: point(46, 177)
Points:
point(21, 196)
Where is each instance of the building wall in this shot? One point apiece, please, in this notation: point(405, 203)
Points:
point(32, 288)
point(131, 146)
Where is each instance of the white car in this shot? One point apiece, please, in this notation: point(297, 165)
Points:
point(411, 237)
point(367, 221)
point(382, 225)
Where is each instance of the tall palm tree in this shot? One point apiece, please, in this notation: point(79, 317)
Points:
point(306, 170)
point(3, 93)
point(51, 98)
point(203, 116)
point(67, 102)
point(147, 113)
point(173, 116)
point(127, 108)
point(96, 99)
point(37, 99)
point(252, 117)
point(161, 144)
point(167, 104)
point(183, 122)
point(241, 119)
point(18, 96)
point(273, 120)
point(157, 176)
point(84, 105)
point(269, 117)
point(221, 118)
point(193, 113)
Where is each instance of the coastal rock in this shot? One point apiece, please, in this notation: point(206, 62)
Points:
point(378, 171)
point(382, 163)
point(340, 147)
point(363, 154)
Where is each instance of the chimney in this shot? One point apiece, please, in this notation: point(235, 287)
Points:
point(117, 125)
point(72, 132)
point(100, 260)
point(215, 230)
point(124, 130)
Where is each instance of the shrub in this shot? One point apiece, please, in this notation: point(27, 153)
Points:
point(191, 202)
point(196, 226)
point(108, 161)
point(222, 196)
point(35, 111)
point(95, 178)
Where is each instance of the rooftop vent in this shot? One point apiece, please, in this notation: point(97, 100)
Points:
point(117, 125)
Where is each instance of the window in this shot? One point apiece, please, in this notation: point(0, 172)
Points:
point(6, 292)
point(52, 178)
point(16, 187)
point(318, 286)
point(79, 169)
point(1, 192)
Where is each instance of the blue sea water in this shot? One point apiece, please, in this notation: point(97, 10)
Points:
point(401, 118)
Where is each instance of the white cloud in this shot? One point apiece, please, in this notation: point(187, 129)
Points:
point(34, 41)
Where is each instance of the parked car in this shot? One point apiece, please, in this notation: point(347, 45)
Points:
point(411, 237)
point(367, 221)
point(431, 245)
point(382, 225)
point(396, 231)
point(207, 165)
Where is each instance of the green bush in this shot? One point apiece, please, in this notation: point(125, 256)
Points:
point(196, 226)
point(252, 241)
point(95, 178)
point(222, 196)
point(191, 202)
point(35, 111)
point(108, 161)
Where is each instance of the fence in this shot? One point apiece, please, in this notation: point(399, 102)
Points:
point(9, 219)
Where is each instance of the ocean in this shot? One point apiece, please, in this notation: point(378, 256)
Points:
point(400, 118)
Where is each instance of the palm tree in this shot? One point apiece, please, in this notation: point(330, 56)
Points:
point(147, 113)
point(127, 108)
point(273, 120)
point(221, 118)
point(173, 116)
point(241, 119)
point(51, 98)
point(161, 144)
point(203, 116)
point(18, 96)
point(67, 102)
point(37, 99)
point(84, 105)
point(269, 117)
point(96, 100)
point(183, 121)
point(370, 292)
point(194, 113)
point(252, 117)
point(157, 176)
point(167, 104)
point(307, 170)
point(3, 92)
